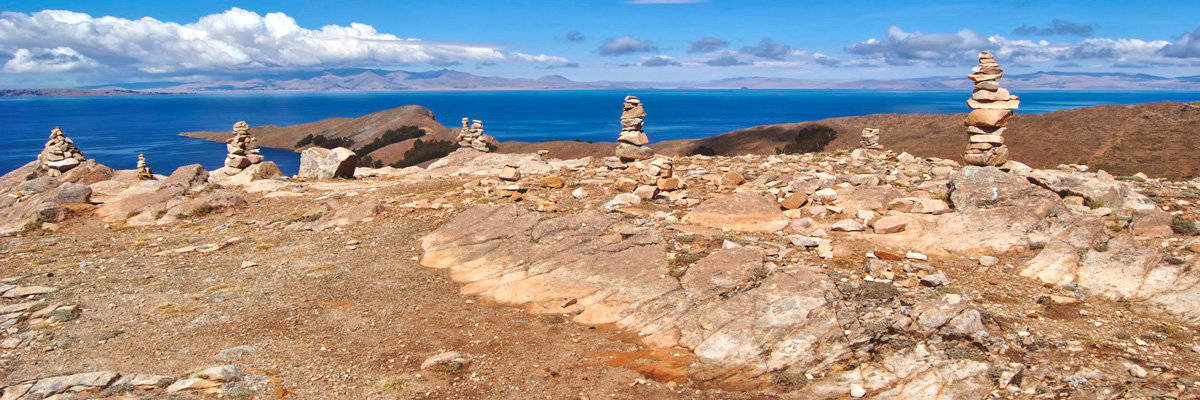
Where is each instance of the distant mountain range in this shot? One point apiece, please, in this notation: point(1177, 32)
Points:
point(445, 79)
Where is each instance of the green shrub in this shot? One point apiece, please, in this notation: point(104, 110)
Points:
point(1183, 226)
point(424, 151)
point(809, 139)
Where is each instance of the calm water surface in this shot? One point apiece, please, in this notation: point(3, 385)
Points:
point(115, 129)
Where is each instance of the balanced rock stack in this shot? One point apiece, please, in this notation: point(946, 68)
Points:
point(870, 139)
point(60, 154)
point(662, 171)
point(631, 143)
point(473, 136)
point(991, 108)
point(143, 171)
point(243, 148)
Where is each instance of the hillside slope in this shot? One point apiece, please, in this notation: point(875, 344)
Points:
point(358, 131)
point(1156, 138)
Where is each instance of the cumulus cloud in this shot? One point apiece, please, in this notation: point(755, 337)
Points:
point(660, 61)
point(56, 60)
point(725, 61)
point(903, 48)
point(237, 39)
point(907, 48)
point(575, 36)
point(706, 44)
point(767, 48)
point(625, 45)
point(1057, 27)
point(1187, 46)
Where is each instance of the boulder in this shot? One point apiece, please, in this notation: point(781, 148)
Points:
point(321, 163)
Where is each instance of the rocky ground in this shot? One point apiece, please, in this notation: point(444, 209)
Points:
point(835, 275)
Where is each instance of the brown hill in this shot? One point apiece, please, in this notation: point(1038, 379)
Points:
point(1159, 139)
point(352, 133)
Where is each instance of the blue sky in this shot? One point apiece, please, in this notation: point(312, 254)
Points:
point(85, 42)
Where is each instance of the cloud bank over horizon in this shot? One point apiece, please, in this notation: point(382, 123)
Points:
point(59, 41)
point(76, 47)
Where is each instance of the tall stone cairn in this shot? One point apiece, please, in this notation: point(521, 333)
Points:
point(870, 139)
point(143, 170)
point(243, 148)
point(60, 154)
point(991, 108)
point(631, 143)
point(472, 136)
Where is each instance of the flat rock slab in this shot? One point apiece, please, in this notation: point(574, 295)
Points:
point(740, 317)
point(743, 212)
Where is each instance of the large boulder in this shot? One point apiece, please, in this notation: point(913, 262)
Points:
point(745, 212)
point(322, 163)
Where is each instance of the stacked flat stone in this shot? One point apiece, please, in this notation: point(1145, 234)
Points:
point(870, 139)
point(143, 170)
point(243, 148)
point(661, 172)
point(60, 154)
point(631, 143)
point(473, 136)
point(991, 108)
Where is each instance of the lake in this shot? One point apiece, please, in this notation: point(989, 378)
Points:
point(114, 130)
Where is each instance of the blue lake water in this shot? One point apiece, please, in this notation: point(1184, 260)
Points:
point(114, 130)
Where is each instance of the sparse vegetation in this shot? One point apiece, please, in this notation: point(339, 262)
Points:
point(424, 151)
point(322, 141)
point(877, 291)
point(703, 151)
point(809, 139)
point(789, 381)
point(1183, 226)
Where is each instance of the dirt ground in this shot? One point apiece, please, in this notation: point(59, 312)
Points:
point(339, 315)
point(349, 313)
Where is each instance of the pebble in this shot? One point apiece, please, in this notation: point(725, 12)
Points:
point(857, 391)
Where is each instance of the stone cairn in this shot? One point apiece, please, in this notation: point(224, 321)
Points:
point(991, 108)
point(631, 143)
point(473, 136)
point(661, 172)
point(243, 148)
point(60, 154)
point(143, 171)
point(870, 139)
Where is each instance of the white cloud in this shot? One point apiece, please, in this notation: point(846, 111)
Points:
point(625, 45)
point(906, 48)
point(56, 60)
point(236, 39)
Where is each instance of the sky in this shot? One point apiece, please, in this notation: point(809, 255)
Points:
point(71, 43)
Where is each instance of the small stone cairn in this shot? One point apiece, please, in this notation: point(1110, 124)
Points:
point(870, 139)
point(473, 136)
point(661, 172)
point(243, 148)
point(60, 154)
point(631, 143)
point(991, 109)
point(143, 171)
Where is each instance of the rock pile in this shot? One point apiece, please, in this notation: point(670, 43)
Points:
point(60, 154)
point(631, 143)
point(143, 171)
point(991, 108)
point(870, 139)
point(243, 148)
point(662, 172)
point(473, 136)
